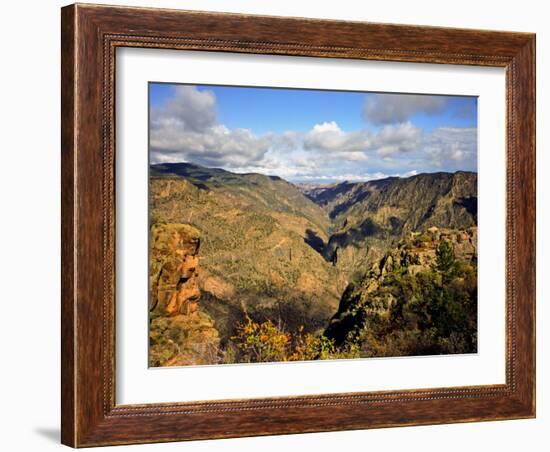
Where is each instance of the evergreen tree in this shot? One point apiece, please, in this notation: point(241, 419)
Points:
point(445, 258)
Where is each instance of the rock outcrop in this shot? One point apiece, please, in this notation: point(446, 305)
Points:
point(260, 245)
point(180, 333)
point(174, 267)
point(271, 250)
point(371, 217)
point(395, 307)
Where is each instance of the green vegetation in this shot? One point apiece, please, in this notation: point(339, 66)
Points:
point(255, 245)
point(264, 342)
point(370, 217)
point(429, 312)
point(382, 268)
point(183, 340)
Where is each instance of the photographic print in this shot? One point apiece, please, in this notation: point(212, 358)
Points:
point(296, 224)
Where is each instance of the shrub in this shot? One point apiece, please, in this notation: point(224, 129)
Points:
point(261, 342)
point(264, 342)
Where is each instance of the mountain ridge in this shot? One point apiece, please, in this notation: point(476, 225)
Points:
point(184, 169)
point(259, 238)
point(270, 251)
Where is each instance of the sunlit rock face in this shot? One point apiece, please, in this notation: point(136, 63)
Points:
point(180, 334)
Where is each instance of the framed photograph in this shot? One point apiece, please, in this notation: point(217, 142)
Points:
point(282, 225)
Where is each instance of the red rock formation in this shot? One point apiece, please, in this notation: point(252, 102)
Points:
point(174, 269)
point(180, 334)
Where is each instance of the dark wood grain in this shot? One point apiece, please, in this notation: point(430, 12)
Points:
point(68, 332)
point(90, 36)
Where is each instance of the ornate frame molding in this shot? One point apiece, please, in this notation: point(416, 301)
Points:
point(90, 36)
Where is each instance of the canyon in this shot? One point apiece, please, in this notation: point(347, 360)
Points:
point(228, 248)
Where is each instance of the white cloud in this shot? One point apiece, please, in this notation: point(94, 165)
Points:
point(326, 127)
point(190, 109)
point(354, 145)
point(329, 137)
point(380, 109)
point(217, 146)
point(452, 146)
point(186, 129)
point(398, 138)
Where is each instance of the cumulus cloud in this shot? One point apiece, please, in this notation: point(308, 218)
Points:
point(329, 137)
point(186, 129)
point(452, 146)
point(381, 109)
point(189, 109)
point(355, 145)
point(216, 146)
point(394, 150)
point(403, 137)
point(290, 167)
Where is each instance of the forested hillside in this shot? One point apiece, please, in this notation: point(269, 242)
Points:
point(293, 272)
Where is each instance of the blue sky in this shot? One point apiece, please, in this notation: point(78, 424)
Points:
point(311, 135)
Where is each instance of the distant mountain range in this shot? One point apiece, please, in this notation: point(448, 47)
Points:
point(367, 217)
point(287, 252)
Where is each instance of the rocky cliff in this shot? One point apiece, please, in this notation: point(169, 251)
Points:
point(261, 245)
point(272, 251)
point(180, 332)
point(371, 217)
point(419, 298)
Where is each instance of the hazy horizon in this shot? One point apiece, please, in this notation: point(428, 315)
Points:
point(326, 181)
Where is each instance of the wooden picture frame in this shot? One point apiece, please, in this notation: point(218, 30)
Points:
point(90, 36)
